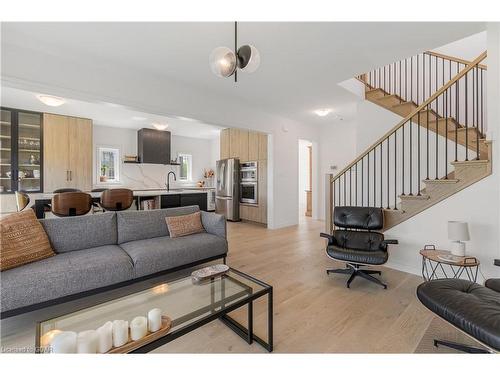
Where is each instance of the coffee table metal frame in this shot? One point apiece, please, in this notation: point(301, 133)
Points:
point(220, 310)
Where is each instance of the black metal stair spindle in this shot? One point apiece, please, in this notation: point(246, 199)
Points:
point(423, 78)
point(418, 152)
point(356, 185)
point(416, 79)
point(381, 179)
point(406, 80)
point(403, 159)
point(481, 101)
point(437, 138)
point(446, 137)
point(400, 97)
point(395, 168)
point(427, 143)
point(457, 113)
point(374, 176)
point(368, 180)
point(411, 156)
point(388, 187)
point(466, 95)
point(344, 189)
point(350, 186)
point(362, 181)
point(411, 78)
point(477, 114)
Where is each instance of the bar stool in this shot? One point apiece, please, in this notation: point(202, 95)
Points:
point(96, 206)
point(66, 190)
point(23, 200)
point(117, 199)
point(71, 204)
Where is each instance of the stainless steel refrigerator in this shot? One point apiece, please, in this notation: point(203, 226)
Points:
point(227, 194)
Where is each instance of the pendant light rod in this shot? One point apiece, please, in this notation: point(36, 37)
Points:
point(236, 50)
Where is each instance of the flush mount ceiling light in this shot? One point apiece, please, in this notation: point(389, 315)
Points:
point(225, 62)
point(159, 126)
point(323, 112)
point(53, 101)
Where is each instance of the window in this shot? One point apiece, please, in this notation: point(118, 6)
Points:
point(186, 167)
point(108, 165)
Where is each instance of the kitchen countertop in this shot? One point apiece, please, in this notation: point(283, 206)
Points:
point(137, 193)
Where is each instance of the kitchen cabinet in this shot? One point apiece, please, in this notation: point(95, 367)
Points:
point(253, 146)
point(224, 144)
point(21, 157)
point(67, 152)
point(262, 146)
point(181, 200)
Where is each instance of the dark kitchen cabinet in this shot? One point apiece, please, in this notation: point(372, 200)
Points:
point(153, 146)
point(21, 151)
point(181, 200)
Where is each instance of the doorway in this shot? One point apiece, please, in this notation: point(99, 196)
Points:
point(305, 179)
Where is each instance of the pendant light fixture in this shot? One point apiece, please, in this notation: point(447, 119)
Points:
point(225, 62)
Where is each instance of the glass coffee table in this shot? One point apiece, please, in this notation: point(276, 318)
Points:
point(189, 306)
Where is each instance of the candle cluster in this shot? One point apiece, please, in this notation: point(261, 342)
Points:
point(110, 335)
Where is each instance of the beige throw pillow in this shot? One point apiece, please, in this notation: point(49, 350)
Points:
point(184, 225)
point(22, 240)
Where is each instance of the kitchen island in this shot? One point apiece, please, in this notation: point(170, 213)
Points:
point(162, 198)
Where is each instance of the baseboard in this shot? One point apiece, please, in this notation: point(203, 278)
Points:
point(408, 268)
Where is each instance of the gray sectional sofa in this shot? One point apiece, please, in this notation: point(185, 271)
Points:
point(108, 249)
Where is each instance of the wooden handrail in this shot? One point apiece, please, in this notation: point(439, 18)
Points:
point(453, 58)
point(463, 72)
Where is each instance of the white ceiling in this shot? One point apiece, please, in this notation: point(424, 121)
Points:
point(301, 63)
point(109, 114)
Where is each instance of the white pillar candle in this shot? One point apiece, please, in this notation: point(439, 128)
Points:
point(105, 334)
point(64, 342)
point(87, 342)
point(154, 320)
point(120, 333)
point(138, 328)
point(47, 338)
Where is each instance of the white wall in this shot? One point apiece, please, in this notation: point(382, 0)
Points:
point(303, 174)
point(144, 176)
point(337, 148)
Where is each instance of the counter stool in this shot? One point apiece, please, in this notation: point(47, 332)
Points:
point(71, 204)
point(117, 199)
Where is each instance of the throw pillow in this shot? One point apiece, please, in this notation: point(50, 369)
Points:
point(22, 240)
point(184, 225)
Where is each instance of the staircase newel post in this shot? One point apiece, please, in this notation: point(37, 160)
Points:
point(329, 202)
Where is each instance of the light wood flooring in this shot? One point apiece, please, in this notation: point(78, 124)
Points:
point(313, 312)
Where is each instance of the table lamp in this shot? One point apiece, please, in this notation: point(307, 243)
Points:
point(458, 231)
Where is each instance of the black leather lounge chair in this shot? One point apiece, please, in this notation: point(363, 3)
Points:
point(470, 307)
point(356, 244)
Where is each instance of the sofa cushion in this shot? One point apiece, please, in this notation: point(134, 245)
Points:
point(184, 225)
point(64, 274)
point(162, 253)
point(81, 232)
point(22, 240)
point(141, 225)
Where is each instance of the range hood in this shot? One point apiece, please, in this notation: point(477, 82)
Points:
point(153, 146)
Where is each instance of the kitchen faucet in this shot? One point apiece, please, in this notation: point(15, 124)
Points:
point(168, 179)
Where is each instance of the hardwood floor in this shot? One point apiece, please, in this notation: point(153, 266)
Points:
point(313, 312)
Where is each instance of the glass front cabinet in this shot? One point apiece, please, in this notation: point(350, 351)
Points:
point(20, 151)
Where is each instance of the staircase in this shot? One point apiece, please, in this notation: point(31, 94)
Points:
point(437, 149)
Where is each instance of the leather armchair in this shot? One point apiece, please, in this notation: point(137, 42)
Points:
point(470, 307)
point(356, 243)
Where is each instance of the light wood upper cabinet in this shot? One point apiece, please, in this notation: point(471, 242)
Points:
point(224, 144)
point(80, 153)
point(67, 152)
point(55, 152)
point(234, 143)
point(262, 146)
point(253, 146)
point(262, 191)
point(243, 145)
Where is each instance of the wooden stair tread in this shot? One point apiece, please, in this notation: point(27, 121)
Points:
point(470, 162)
point(441, 181)
point(403, 103)
point(415, 197)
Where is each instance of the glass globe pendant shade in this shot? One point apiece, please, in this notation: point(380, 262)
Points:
point(248, 58)
point(222, 61)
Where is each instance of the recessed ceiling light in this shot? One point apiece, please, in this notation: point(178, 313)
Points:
point(139, 118)
point(323, 112)
point(53, 101)
point(159, 126)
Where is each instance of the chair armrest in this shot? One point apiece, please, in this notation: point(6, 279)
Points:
point(390, 242)
point(329, 237)
point(493, 284)
point(214, 223)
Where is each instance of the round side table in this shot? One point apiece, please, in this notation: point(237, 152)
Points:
point(441, 264)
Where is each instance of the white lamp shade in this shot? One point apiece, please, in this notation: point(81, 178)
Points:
point(253, 61)
point(222, 61)
point(458, 231)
